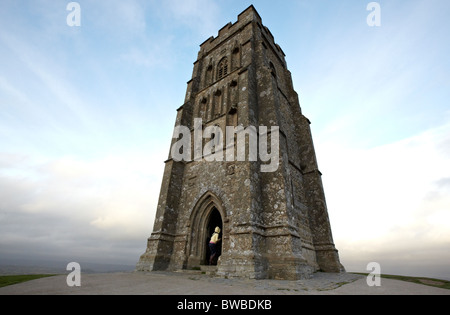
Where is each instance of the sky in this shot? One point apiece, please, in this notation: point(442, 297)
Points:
point(87, 114)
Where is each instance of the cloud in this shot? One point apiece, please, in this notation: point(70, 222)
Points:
point(384, 82)
point(199, 15)
point(123, 19)
point(12, 92)
point(45, 79)
point(392, 200)
point(73, 207)
point(155, 53)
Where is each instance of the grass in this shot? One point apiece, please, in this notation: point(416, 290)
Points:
point(438, 283)
point(10, 280)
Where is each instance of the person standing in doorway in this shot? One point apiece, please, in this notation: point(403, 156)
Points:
point(213, 245)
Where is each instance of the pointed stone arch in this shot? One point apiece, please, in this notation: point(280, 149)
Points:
point(199, 230)
point(222, 68)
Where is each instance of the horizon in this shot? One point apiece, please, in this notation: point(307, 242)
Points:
point(87, 117)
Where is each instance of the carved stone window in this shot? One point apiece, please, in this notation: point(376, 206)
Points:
point(222, 69)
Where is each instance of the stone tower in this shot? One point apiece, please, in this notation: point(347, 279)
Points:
point(274, 224)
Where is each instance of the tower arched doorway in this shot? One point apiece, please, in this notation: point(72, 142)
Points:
point(215, 220)
point(207, 214)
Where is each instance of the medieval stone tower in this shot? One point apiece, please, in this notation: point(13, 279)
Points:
point(274, 224)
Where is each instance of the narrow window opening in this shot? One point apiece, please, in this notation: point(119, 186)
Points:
point(272, 70)
point(222, 69)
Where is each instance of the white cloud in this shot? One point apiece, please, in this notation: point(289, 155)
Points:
point(123, 19)
point(45, 77)
point(12, 92)
point(81, 203)
point(200, 15)
point(152, 54)
point(392, 200)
